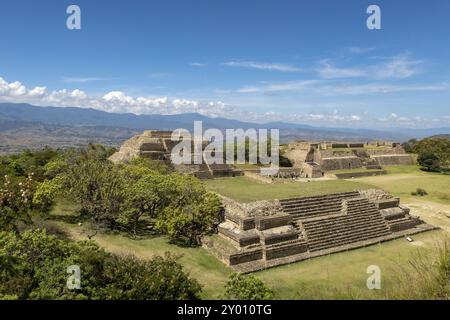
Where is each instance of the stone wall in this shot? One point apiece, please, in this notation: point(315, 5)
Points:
point(342, 163)
point(351, 175)
point(386, 160)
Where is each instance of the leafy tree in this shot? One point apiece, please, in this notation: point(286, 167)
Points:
point(409, 145)
point(240, 287)
point(29, 162)
point(189, 222)
point(189, 210)
point(143, 197)
point(157, 279)
point(433, 152)
point(33, 265)
point(429, 160)
point(15, 202)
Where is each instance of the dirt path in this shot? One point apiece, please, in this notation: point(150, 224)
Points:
point(431, 212)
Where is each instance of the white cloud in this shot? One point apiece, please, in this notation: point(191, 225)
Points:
point(293, 86)
point(327, 71)
point(340, 88)
point(120, 102)
point(360, 50)
point(197, 64)
point(83, 79)
point(399, 67)
point(114, 101)
point(262, 66)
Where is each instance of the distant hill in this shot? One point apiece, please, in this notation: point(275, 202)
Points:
point(27, 126)
point(447, 136)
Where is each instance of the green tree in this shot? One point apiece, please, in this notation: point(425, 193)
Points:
point(143, 197)
point(429, 160)
point(15, 202)
point(161, 278)
point(33, 265)
point(241, 287)
point(189, 209)
point(435, 150)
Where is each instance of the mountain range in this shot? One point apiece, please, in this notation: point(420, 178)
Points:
point(27, 126)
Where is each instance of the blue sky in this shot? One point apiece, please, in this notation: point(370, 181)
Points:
point(299, 61)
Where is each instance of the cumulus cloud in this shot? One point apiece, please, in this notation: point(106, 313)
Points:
point(262, 66)
point(120, 102)
point(114, 101)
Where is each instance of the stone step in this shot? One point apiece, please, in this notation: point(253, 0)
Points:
point(332, 232)
point(334, 220)
point(363, 233)
point(346, 241)
point(316, 198)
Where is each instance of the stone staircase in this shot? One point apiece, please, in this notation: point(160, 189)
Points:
point(318, 206)
point(362, 221)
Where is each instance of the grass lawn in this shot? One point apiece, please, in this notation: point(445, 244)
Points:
point(402, 180)
point(319, 278)
point(244, 189)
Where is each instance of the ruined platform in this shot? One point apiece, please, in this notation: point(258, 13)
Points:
point(158, 145)
point(265, 234)
point(315, 158)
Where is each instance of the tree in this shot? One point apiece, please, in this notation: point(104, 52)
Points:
point(97, 185)
point(161, 278)
point(240, 287)
point(33, 265)
point(436, 150)
point(15, 202)
point(429, 160)
point(189, 211)
point(409, 145)
point(143, 197)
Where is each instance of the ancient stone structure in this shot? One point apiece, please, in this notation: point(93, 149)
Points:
point(314, 158)
point(264, 234)
point(157, 146)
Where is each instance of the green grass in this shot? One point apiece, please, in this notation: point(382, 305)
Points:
point(402, 180)
point(208, 270)
point(354, 170)
point(344, 274)
point(65, 207)
point(324, 277)
point(244, 189)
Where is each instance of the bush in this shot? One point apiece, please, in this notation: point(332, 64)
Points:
point(419, 192)
point(33, 265)
point(240, 287)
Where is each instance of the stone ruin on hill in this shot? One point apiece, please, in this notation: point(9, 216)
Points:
point(263, 234)
point(315, 158)
point(157, 146)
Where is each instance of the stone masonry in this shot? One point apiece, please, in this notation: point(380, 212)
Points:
point(157, 146)
point(264, 234)
point(315, 158)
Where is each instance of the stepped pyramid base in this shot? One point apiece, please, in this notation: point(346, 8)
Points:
point(265, 234)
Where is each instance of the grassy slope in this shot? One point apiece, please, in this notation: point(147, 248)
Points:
point(244, 189)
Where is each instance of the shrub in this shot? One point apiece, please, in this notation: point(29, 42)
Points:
point(240, 287)
point(419, 192)
point(33, 265)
